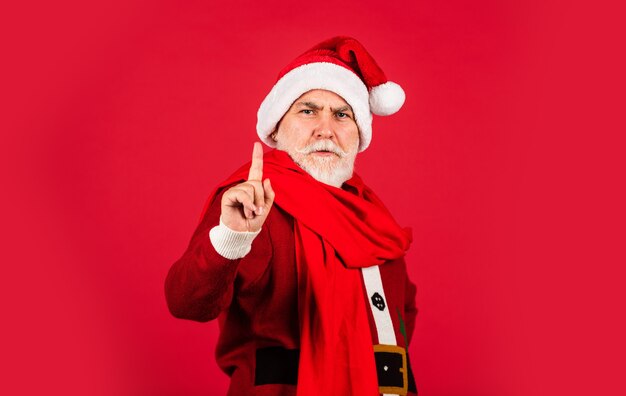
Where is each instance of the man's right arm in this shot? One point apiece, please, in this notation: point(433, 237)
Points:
point(200, 284)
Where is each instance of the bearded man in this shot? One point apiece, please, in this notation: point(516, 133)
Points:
point(295, 255)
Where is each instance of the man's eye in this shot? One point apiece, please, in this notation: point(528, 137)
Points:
point(342, 115)
point(307, 111)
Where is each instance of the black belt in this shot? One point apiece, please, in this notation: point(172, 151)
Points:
point(277, 365)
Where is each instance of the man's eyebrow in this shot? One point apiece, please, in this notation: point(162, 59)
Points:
point(342, 109)
point(311, 105)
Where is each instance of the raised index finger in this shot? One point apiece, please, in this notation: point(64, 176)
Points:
point(256, 168)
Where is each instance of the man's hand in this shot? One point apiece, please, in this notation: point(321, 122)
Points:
point(246, 206)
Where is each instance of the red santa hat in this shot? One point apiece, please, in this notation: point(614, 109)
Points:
point(343, 66)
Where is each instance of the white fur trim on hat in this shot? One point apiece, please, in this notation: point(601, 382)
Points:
point(319, 75)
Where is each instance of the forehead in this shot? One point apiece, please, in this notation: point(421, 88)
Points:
point(321, 96)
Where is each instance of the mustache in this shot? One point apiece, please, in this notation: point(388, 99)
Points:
point(323, 145)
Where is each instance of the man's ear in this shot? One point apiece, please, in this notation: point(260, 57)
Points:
point(273, 135)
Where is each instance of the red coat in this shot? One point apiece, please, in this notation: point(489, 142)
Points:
point(255, 299)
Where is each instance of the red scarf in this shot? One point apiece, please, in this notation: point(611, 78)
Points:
point(337, 231)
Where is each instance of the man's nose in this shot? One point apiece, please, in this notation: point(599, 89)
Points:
point(324, 129)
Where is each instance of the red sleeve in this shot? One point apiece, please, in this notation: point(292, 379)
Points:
point(200, 284)
point(410, 310)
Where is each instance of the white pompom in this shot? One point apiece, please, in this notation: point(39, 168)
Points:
point(386, 99)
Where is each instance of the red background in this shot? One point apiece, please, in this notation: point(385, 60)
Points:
point(121, 117)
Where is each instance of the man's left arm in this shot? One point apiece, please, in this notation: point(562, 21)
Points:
point(410, 309)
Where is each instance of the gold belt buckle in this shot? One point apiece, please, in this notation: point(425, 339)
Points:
point(405, 382)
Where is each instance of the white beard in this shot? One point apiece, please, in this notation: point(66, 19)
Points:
point(331, 170)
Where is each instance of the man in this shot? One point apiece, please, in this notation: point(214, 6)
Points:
point(295, 255)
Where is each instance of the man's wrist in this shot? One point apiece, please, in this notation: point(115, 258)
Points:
point(231, 244)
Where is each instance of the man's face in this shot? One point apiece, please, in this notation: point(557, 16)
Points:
point(320, 134)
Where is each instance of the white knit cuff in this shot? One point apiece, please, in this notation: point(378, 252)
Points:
point(231, 244)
